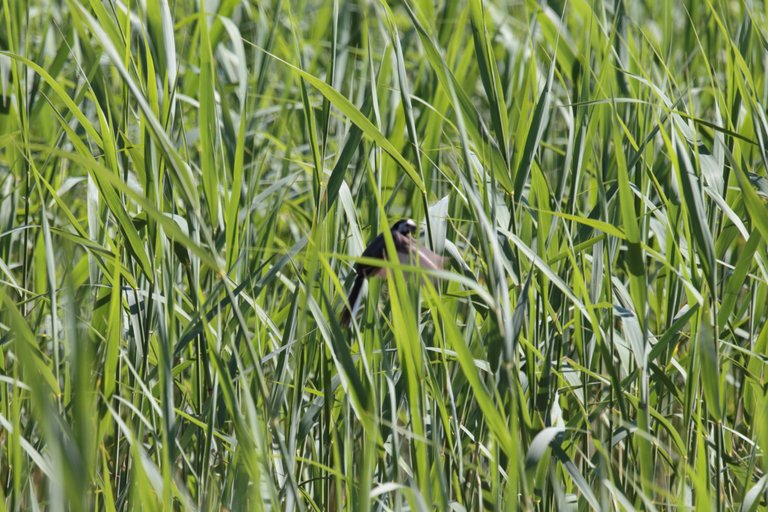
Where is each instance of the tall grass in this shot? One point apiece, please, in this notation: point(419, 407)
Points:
point(185, 187)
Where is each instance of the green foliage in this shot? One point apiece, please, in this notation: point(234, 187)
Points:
point(184, 192)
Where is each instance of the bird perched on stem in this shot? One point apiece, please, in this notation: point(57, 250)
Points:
point(409, 251)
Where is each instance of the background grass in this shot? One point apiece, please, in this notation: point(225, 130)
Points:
point(184, 187)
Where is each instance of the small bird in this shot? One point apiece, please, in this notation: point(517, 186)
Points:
point(409, 251)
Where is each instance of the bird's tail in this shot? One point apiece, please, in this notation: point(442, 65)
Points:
point(353, 301)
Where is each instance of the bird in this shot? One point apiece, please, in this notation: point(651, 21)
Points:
point(409, 251)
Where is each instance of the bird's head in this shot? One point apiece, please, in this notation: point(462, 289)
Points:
point(405, 226)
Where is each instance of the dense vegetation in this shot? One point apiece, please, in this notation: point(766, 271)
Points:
point(184, 193)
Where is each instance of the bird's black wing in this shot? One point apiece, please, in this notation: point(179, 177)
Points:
point(409, 252)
